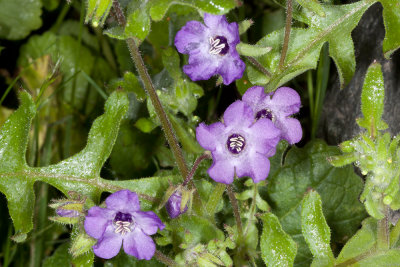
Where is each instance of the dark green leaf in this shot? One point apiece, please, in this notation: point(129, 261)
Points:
point(17, 23)
point(315, 230)
point(339, 188)
point(60, 257)
point(277, 247)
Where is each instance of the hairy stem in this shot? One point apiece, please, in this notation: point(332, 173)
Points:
point(383, 240)
point(259, 66)
point(288, 26)
point(252, 209)
point(164, 259)
point(148, 84)
point(235, 208)
point(195, 166)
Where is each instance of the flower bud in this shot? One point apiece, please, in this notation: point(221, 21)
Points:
point(174, 203)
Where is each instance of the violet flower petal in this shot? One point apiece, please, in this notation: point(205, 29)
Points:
point(139, 245)
point(190, 37)
point(256, 166)
point(238, 115)
point(222, 171)
point(232, 68)
point(254, 96)
point(173, 205)
point(291, 130)
point(148, 222)
point(205, 134)
point(264, 135)
point(202, 68)
point(109, 245)
point(123, 201)
point(97, 220)
point(287, 100)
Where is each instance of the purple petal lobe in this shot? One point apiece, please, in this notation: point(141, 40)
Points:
point(215, 21)
point(265, 136)
point(96, 221)
point(253, 96)
point(206, 135)
point(291, 130)
point(232, 68)
point(287, 99)
point(124, 201)
point(190, 37)
point(148, 221)
point(256, 166)
point(139, 245)
point(200, 67)
point(238, 114)
point(222, 171)
point(109, 245)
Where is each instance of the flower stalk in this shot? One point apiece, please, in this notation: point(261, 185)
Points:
point(236, 211)
point(164, 259)
point(148, 84)
point(288, 26)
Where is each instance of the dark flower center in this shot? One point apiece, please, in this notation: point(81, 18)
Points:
point(236, 143)
point(265, 113)
point(122, 223)
point(218, 45)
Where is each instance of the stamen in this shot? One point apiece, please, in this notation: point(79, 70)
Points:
point(265, 113)
point(236, 143)
point(122, 227)
point(218, 45)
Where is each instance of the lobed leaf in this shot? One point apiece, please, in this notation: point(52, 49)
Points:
point(305, 44)
point(277, 247)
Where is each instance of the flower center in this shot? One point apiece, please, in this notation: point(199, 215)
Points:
point(265, 113)
point(122, 223)
point(236, 143)
point(218, 45)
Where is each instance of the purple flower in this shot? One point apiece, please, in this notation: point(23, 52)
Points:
point(173, 205)
point(278, 107)
point(211, 49)
point(122, 223)
point(239, 145)
point(67, 213)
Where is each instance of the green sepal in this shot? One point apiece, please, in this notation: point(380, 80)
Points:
point(392, 189)
point(97, 11)
point(342, 160)
point(374, 206)
point(64, 220)
point(245, 25)
point(81, 243)
point(346, 146)
point(252, 50)
point(277, 247)
point(395, 204)
point(315, 229)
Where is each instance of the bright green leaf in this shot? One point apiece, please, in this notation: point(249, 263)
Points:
point(315, 230)
point(312, 5)
point(277, 247)
point(372, 98)
point(384, 258)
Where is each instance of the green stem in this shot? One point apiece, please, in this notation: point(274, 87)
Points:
point(148, 84)
point(164, 259)
point(288, 26)
point(252, 209)
point(395, 234)
point(215, 198)
point(236, 211)
point(383, 240)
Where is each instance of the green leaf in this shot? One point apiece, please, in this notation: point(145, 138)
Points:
point(339, 188)
point(312, 5)
point(171, 61)
point(17, 23)
point(73, 174)
point(60, 257)
point(305, 44)
point(315, 230)
point(391, 19)
point(372, 98)
point(138, 20)
point(160, 7)
point(360, 243)
point(277, 247)
point(384, 258)
point(145, 125)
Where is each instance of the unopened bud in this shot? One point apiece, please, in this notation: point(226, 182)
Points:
point(173, 205)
